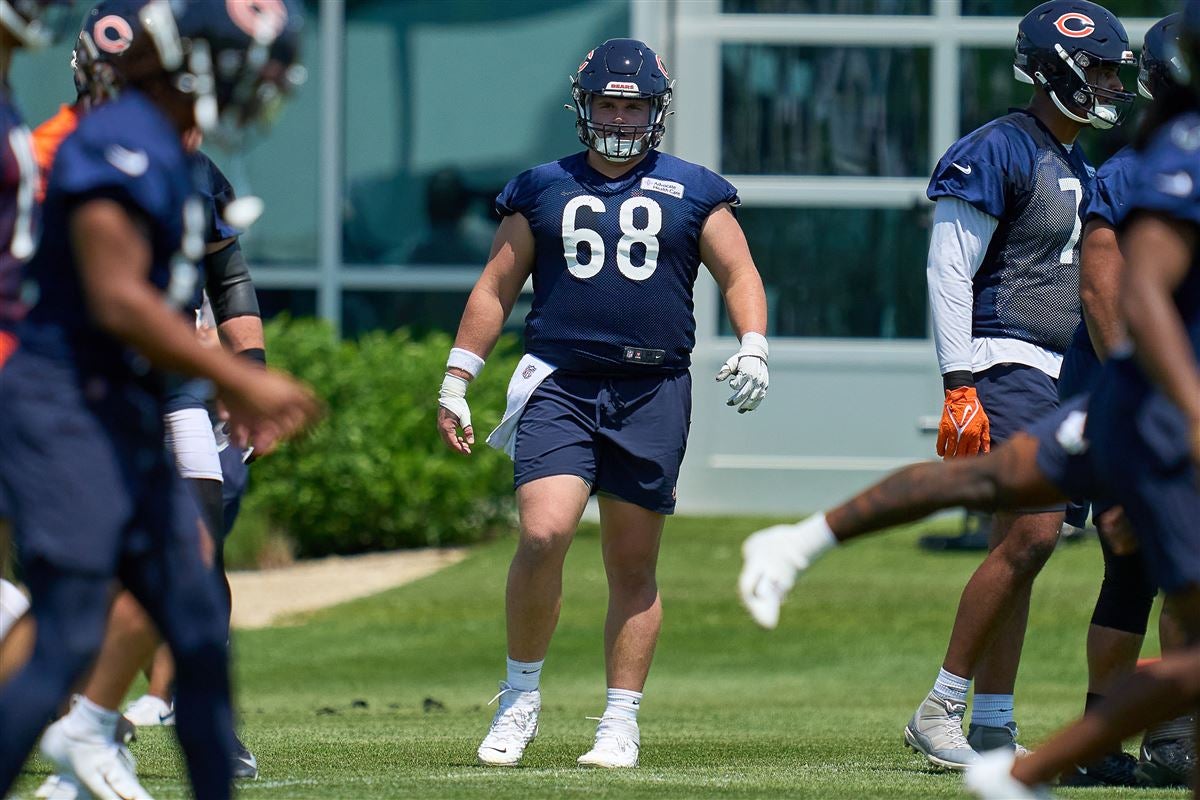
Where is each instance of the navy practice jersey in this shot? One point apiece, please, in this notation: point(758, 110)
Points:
point(18, 208)
point(615, 261)
point(126, 151)
point(217, 193)
point(1014, 169)
point(1113, 186)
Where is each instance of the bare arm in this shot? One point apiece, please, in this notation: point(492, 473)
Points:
point(1100, 267)
point(114, 260)
point(497, 289)
point(724, 251)
point(1159, 253)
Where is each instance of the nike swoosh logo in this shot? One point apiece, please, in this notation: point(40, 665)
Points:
point(499, 749)
point(529, 671)
point(165, 717)
point(964, 170)
point(133, 163)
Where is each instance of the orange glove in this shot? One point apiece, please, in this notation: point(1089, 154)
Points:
point(964, 429)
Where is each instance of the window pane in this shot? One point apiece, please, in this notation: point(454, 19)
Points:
point(433, 132)
point(1122, 8)
point(824, 110)
point(825, 6)
point(297, 302)
point(989, 90)
point(281, 168)
point(841, 272)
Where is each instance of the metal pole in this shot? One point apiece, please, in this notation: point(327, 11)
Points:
point(332, 19)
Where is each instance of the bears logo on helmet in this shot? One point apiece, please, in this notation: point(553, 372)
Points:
point(1086, 26)
point(112, 34)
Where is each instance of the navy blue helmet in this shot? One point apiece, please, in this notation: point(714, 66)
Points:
point(235, 59)
point(109, 29)
point(621, 68)
point(1058, 43)
point(1159, 64)
point(34, 23)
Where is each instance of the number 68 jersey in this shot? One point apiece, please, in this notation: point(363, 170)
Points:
point(1015, 170)
point(615, 261)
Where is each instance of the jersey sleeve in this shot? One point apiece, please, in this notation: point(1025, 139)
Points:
point(1111, 191)
point(518, 195)
point(218, 193)
point(715, 191)
point(980, 169)
point(1169, 173)
point(85, 167)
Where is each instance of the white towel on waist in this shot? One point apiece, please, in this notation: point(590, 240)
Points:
point(529, 374)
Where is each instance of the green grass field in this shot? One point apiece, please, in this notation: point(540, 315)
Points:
point(386, 697)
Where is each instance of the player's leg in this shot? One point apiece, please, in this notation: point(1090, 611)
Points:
point(554, 468)
point(1167, 756)
point(1007, 477)
point(630, 537)
point(164, 570)
point(643, 429)
point(16, 630)
point(1030, 538)
point(1114, 641)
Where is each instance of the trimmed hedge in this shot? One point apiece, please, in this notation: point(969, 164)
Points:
point(375, 475)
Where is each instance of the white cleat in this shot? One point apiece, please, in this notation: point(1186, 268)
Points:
point(768, 573)
point(514, 726)
point(148, 711)
point(616, 747)
point(990, 778)
point(103, 770)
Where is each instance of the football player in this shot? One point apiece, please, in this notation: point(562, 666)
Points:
point(1127, 593)
point(23, 24)
point(601, 402)
point(1003, 275)
point(94, 495)
point(1141, 440)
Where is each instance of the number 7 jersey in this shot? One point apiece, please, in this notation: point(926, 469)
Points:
point(1013, 169)
point(615, 261)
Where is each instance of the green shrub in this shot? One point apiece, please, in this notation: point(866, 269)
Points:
point(375, 475)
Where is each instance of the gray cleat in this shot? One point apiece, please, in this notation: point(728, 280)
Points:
point(983, 738)
point(935, 731)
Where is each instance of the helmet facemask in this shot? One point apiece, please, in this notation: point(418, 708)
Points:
point(1073, 94)
point(619, 143)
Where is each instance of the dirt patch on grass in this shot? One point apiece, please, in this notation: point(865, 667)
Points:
point(261, 598)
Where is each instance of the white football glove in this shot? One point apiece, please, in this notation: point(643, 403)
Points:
point(747, 371)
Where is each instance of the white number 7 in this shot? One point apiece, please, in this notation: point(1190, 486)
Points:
point(1072, 185)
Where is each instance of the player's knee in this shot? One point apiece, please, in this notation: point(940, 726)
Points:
point(631, 575)
point(1027, 551)
point(544, 542)
point(1126, 595)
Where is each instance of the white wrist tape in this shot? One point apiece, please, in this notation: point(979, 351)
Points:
point(453, 387)
point(754, 344)
point(465, 360)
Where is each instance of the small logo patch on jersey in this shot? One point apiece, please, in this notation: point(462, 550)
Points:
point(132, 162)
point(964, 170)
point(1075, 25)
point(666, 187)
point(525, 373)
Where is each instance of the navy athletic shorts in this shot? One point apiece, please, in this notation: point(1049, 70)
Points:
point(1080, 371)
point(1128, 446)
point(84, 467)
point(625, 436)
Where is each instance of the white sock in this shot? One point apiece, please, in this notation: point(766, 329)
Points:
point(810, 539)
point(524, 676)
point(949, 686)
point(91, 722)
point(993, 710)
point(623, 704)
